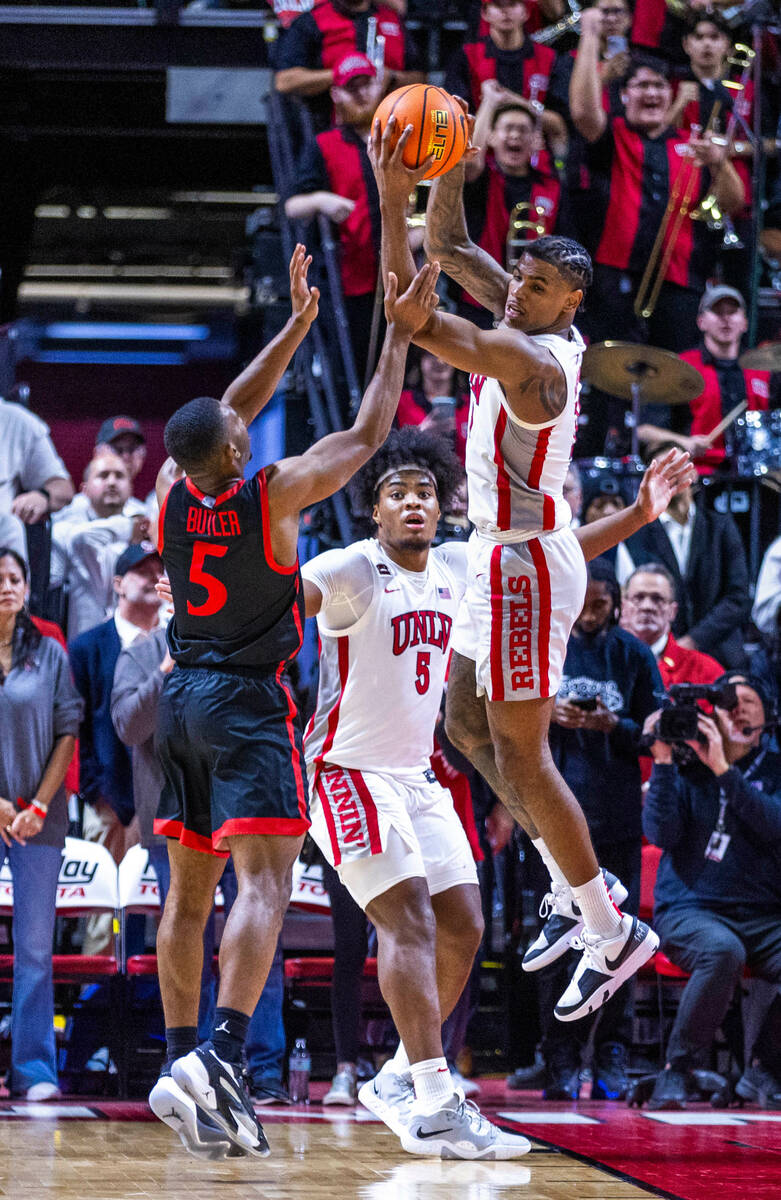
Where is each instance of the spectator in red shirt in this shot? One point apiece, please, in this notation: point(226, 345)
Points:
point(436, 400)
point(648, 611)
point(722, 321)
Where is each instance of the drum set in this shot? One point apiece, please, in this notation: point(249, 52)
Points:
point(749, 487)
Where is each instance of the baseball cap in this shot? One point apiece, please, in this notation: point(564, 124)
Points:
point(712, 296)
point(351, 66)
point(134, 554)
point(115, 427)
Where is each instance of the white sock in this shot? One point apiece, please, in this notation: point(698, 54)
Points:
point(600, 914)
point(556, 874)
point(433, 1083)
point(399, 1064)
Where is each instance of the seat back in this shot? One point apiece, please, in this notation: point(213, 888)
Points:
point(88, 879)
point(6, 888)
point(308, 893)
point(139, 891)
point(651, 856)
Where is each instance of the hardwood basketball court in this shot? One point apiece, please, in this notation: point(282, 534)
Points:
point(99, 1150)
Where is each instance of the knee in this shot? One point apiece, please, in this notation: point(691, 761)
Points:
point(410, 928)
point(472, 932)
point(465, 734)
point(517, 761)
point(183, 909)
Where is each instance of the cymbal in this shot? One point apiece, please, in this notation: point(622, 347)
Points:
point(762, 358)
point(663, 377)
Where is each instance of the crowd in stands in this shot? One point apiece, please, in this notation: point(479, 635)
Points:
point(590, 141)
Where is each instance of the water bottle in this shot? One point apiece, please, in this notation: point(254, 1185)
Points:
point(299, 1066)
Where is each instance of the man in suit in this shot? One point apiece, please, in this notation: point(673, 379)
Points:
point(703, 552)
point(106, 778)
point(648, 611)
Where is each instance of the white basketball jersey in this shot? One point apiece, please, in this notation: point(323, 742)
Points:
point(381, 679)
point(516, 471)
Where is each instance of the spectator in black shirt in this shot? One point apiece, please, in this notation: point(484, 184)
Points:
point(718, 890)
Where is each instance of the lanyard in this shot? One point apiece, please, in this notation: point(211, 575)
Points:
point(752, 770)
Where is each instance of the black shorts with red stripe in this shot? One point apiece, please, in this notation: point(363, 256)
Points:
point(230, 748)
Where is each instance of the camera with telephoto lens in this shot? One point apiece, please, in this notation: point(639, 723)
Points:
point(678, 723)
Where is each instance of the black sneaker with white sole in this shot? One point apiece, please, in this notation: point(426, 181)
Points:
point(220, 1089)
point(198, 1133)
point(606, 963)
point(564, 922)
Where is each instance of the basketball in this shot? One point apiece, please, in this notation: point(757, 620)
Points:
point(439, 126)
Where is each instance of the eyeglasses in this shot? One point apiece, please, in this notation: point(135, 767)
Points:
point(648, 85)
point(652, 598)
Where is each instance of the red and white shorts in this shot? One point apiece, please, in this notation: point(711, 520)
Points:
point(521, 602)
point(378, 829)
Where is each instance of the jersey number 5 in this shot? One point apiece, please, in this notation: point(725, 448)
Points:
point(423, 673)
point(216, 592)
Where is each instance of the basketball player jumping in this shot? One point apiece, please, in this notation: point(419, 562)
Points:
point(526, 570)
point(230, 749)
point(385, 608)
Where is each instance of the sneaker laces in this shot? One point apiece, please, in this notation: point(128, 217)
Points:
point(555, 901)
point(480, 1124)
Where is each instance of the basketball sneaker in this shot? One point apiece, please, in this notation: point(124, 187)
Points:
point(606, 963)
point(219, 1088)
point(198, 1133)
point(564, 922)
point(343, 1089)
point(459, 1130)
point(390, 1097)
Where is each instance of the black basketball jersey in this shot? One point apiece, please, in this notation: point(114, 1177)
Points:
point(234, 606)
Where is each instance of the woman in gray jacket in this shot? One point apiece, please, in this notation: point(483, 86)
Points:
point(40, 711)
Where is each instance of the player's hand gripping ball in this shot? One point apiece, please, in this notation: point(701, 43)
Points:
point(439, 126)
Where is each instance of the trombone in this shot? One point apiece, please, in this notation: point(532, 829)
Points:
point(676, 212)
point(708, 210)
point(524, 216)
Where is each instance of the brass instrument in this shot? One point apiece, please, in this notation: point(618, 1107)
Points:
point(708, 210)
point(416, 218)
point(568, 24)
point(732, 16)
point(676, 212)
point(516, 242)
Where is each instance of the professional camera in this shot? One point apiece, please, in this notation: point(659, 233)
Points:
point(679, 721)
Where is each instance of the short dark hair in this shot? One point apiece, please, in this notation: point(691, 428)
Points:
point(409, 444)
point(601, 570)
point(654, 568)
point(571, 260)
point(640, 61)
point(521, 106)
point(694, 19)
point(195, 432)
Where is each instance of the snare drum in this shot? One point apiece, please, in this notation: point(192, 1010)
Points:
point(757, 443)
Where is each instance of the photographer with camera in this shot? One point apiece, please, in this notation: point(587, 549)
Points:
point(718, 890)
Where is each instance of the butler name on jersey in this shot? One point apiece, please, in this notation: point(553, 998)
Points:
point(385, 645)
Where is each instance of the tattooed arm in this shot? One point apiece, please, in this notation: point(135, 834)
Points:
point(532, 379)
point(448, 241)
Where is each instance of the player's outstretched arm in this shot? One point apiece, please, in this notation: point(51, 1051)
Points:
point(395, 183)
point(295, 483)
point(664, 478)
point(251, 391)
point(448, 241)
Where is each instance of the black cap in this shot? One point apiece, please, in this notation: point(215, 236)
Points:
point(114, 427)
point(132, 555)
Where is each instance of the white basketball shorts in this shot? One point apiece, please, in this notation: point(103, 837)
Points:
point(378, 829)
point(520, 605)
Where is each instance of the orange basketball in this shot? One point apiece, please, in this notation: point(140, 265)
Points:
point(439, 126)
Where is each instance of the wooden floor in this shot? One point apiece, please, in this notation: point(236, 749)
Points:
point(48, 1158)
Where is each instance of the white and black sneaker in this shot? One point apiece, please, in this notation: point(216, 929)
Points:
point(459, 1130)
point(198, 1133)
point(390, 1097)
point(606, 963)
point(220, 1089)
point(564, 922)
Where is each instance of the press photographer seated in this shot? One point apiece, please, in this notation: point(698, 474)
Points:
point(718, 895)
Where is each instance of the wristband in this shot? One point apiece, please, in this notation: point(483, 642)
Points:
point(44, 492)
point(39, 812)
